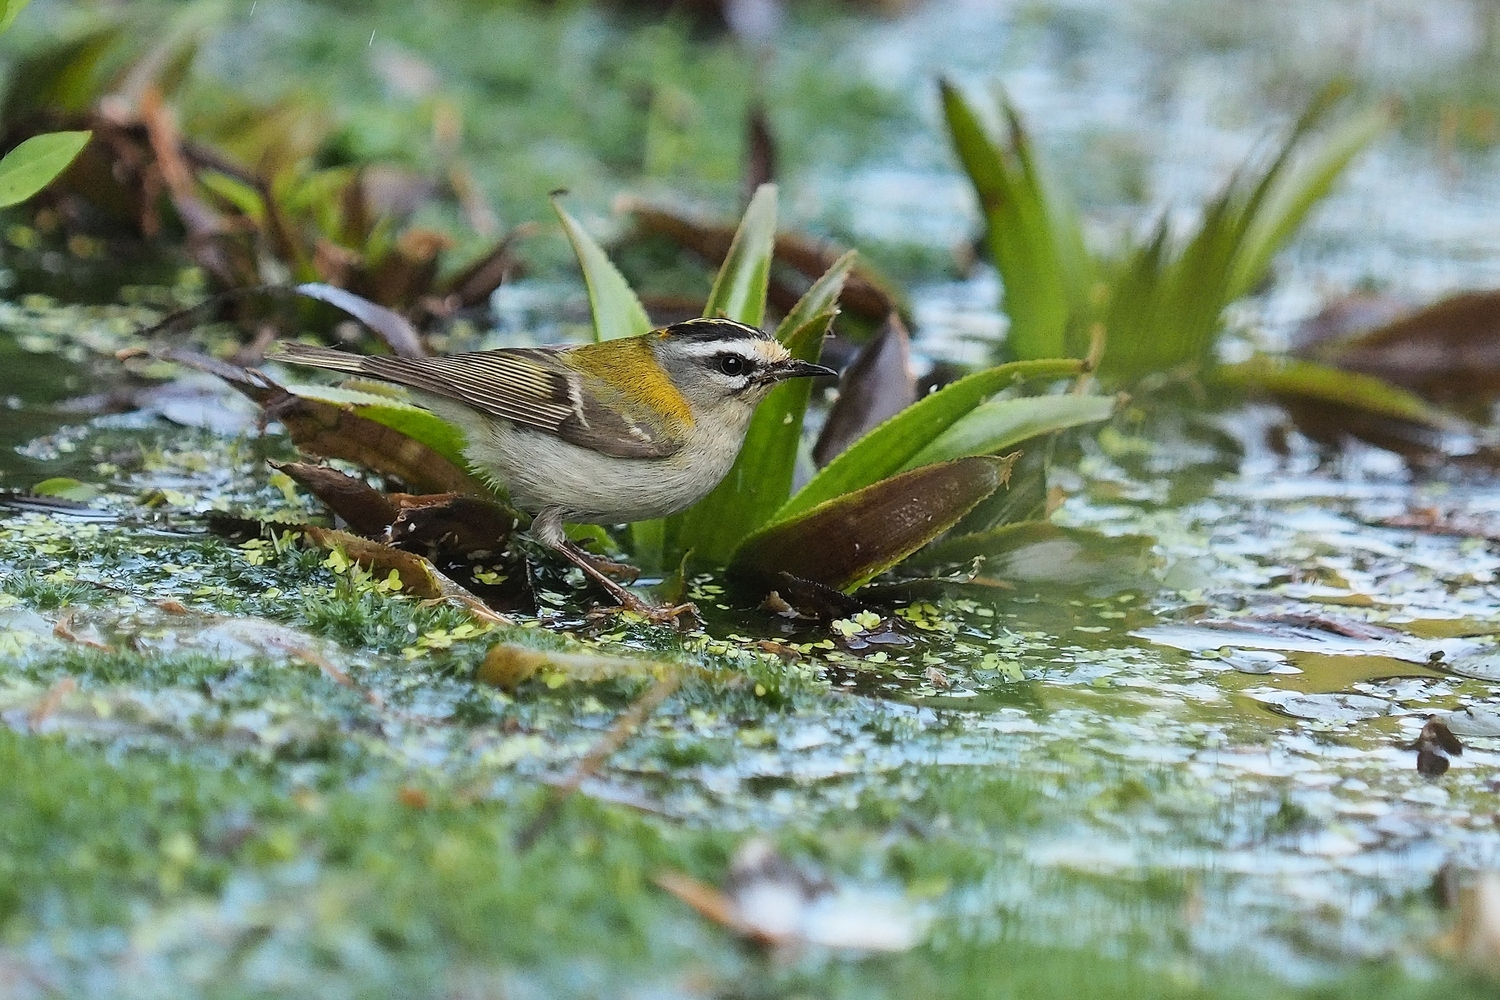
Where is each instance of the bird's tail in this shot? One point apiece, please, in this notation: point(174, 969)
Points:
point(414, 372)
point(320, 357)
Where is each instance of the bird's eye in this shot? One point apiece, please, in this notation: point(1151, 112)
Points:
point(733, 365)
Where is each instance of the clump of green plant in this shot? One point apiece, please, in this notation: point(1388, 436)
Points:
point(891, 493)
point(896, 489)
point(1156, 306)
point(1153, 312)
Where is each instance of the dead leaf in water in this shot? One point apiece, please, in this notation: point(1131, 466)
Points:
point(844, 542)
point(1447, 350)
point(507, 666)
point(365, 509)
point(1332, 405)
point(450, 526)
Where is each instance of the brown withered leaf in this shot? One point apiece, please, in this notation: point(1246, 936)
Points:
point(844, 542)
point(1347, 317)
point(331, 430)
point(875, 387)
point(1447, 350)
point(365, 509)
point(450, 529)
point(418, 576)
point(1334, 425)
point(760, 151)
point(450, 526)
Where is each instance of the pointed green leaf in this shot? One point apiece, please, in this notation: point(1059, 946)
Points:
point(616, 310)
point(1311, 381)
point(1294, 194)
point(847, 541)
point(1000, 424)
point(739, 291)
point(36, 163)
point(67, 488)
point(795, 331)
point(648, 543)
point(761, 478)
point(1167, 300)
point(890, 446)
point(1032, 231)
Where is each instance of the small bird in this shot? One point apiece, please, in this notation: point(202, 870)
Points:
point(623, 430)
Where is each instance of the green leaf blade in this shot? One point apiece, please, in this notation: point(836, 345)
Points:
point(1033, 234)
point(889, 447)
point(36, 163)
point(996, 426)
point(1320, 383)
point(616, 310)
point(8, 11)
point(739, 291)
point(1296, 191)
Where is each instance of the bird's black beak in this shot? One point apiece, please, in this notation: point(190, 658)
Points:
point(793, 368)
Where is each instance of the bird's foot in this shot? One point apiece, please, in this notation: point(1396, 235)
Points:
point(628, 602)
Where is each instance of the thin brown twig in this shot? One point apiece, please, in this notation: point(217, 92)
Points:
point(624, 727)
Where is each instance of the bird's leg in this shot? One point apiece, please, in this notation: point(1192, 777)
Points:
point(615, 570)
point(547, 527)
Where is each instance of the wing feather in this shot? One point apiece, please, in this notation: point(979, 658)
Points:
point(532, 387)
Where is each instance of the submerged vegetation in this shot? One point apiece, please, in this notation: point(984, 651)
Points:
point(1035, 657)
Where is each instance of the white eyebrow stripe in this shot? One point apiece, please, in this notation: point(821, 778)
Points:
point(711, 349)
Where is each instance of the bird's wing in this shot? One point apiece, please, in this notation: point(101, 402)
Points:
point(531, 387)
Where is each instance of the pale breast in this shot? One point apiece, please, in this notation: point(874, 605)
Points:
point(543, 471)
